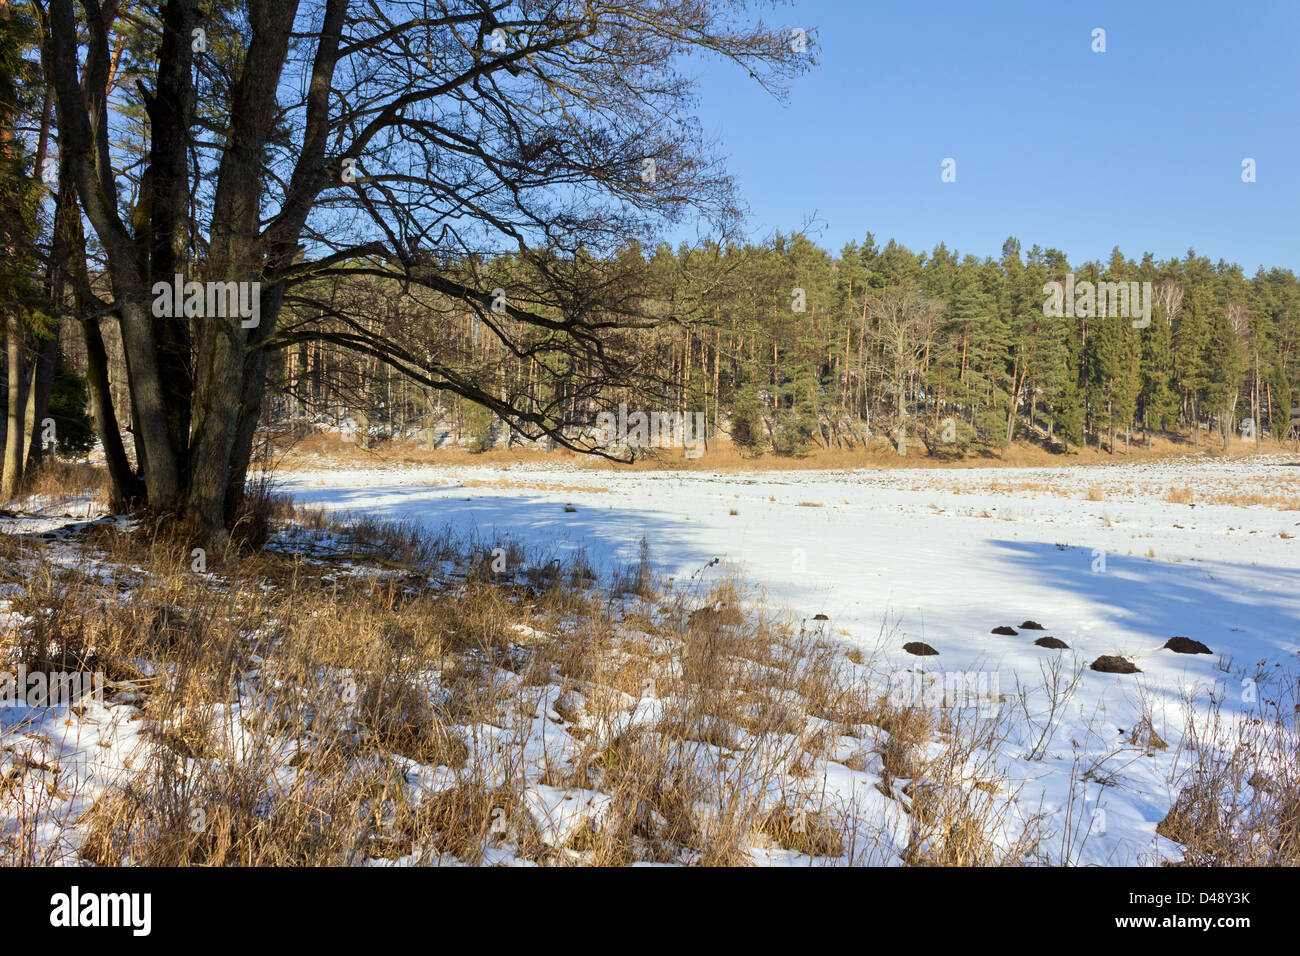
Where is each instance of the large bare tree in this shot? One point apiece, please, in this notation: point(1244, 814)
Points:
point(285, 144)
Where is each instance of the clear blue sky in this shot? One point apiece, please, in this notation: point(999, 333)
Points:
point(1140, 146)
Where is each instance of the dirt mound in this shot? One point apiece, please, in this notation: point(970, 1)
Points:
point(1005, 631)
point(1109, 664)
point(1185, 645)
point(1055, 643)
point(920, 649)
point(1032, 626)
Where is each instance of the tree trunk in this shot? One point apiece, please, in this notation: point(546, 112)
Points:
point(430, 423)
point(209, 495)
point(152, 431)
point(43, 387)
point(16, 408)
point(125, 486)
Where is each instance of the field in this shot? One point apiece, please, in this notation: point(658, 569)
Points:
point(1111, 560)
point(542, 663)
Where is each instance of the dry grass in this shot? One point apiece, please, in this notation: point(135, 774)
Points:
point(1238, 785)
point(1277, 493)
point(328, 449)
point(1283, 495)
point(367, 692)
point(63, 485)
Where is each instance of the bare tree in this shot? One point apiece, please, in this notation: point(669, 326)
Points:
point(1239, 321)
point(1169, 297)
point(290, 143)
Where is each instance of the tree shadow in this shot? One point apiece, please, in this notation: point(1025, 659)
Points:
point(610, 537)
point(1250, 613)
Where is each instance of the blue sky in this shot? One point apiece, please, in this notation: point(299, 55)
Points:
point(1140, 146)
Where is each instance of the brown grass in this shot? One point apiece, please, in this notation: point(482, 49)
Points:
point(327, 449)
point(62, 484)
point(1238, 785)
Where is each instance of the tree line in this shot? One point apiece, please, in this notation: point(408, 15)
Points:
point(785, 346)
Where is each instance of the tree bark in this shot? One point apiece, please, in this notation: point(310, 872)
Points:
point(83, 128)
point(16, 407)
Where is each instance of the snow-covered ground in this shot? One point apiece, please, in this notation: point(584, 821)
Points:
point(1112, 560)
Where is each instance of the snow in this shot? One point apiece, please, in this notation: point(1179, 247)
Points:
point(73, 756)
point(1108, 558)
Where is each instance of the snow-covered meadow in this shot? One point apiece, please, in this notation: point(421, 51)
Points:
point(1042, 758)
point(1112, 560)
